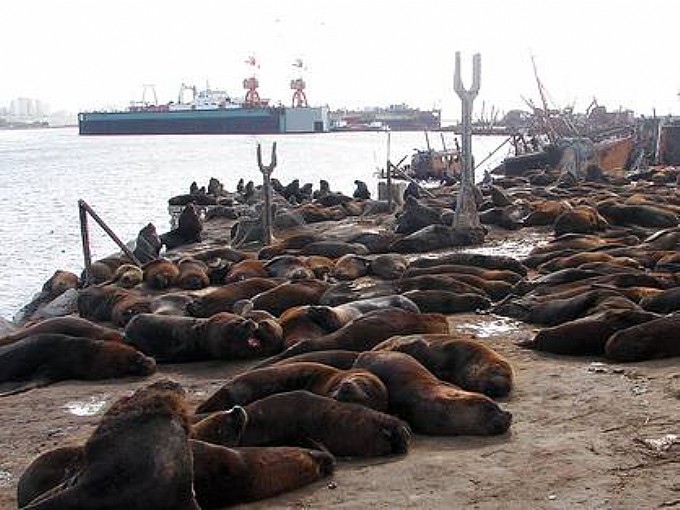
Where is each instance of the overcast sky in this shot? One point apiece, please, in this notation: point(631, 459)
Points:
point(79, 55)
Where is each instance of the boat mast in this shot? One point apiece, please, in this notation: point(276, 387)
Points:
point(547, 124)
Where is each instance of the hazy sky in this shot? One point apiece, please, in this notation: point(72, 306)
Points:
point(88, 54)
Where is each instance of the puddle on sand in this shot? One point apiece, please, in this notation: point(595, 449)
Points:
point(517, 248)
point(5, 478)
point(491, 327)
point(90, 407)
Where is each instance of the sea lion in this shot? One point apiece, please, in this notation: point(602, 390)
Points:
point(588, 335)
point(437, 282)
point(429, 405)
point(415, 216)
point(296, 242)
point(650, 340)
point(582, 219)
point(297, 325)
point(351, 267)
point(248, 268)
point(358, 386)
point(137, 457)
point(55, 286)
point(333, 318)
point(148, 244)
point(171, 304)
point(126, 276)
point(434, 237)
point(666, 301)
point(289, 267)
point(102, 270)
point(472, 259)
point(487, 274)
point(389, 266)
point(110, 303)
point(193, 274)
point(361, 190)
point(367, 331)
point(160, 273)
point(223, 252)
point(290, 294)
point(189, 228)
point(45, 358)
point(359, 289)
point(337, 358)
point(632, 214)
point(320, 266)
point(447, 302)
point(70, 325)
point(173, 339)
point(223, 298)
point(298, 417)
point(333, 249)
point(466, 363)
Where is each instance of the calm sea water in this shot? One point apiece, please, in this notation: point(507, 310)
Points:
point(128, 180)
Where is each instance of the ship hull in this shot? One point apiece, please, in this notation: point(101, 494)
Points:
point(199, 122)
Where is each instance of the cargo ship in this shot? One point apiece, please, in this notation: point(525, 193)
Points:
point(209, 111)
point(393, 118)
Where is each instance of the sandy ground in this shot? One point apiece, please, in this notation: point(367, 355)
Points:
point(579, 438)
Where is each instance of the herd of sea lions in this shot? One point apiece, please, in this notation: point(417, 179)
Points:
point(349, 334)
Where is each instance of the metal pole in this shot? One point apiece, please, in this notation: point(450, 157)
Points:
point(267, 187)
point(85, 207)
point(85, 236)
point(466, 216)
point(389, 174)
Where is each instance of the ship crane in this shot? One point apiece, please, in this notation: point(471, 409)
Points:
point(184, 87)
point(299, 85)
point(251, 84)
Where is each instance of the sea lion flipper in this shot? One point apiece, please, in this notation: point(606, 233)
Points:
point(25, 386)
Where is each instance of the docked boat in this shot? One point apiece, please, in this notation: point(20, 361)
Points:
point(393, 118)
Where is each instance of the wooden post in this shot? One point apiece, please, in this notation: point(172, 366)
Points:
point(389, 175)
point(85, 236)
point(85, 207)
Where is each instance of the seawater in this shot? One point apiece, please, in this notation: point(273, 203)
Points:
point(128, 179)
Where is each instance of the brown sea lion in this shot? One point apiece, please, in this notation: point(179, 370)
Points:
point(632, 214)
point(102, 270)
point(48, 471)
point(189, 228)
point(296, 242)
point(588, 335)
point(665, 302)
point(289, 267)
point(488, 274)
point(172, 339)
point(434, 237)
point(351, 267)
point(298, 417)
point(651, 340)
point(110, 303)
point(43, 359)
point(223, 298)
point(320, 266)
point(160, 273)
point(248, 268)
point(360, 289)
point(193, 274)
point(333, 249)
point(429, 405)
point(367, 331)
point(138, 457)
point(344, 360)
point(222, 252)
point(358, 386)
point(171, 304)
point(437, 282)
point(463, 362)
point(290, 294)
point(126, 276)
point(583, 219)
point(70, 325)
point(297, 325)
point(55, 286)
point(447, 302)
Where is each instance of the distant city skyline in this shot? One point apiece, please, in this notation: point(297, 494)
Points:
point(79, 55)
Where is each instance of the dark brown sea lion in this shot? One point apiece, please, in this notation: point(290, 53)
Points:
point(189, 228)
point(138, 457)
point(665, 302)
point(148, 244)
point(110, 303)
point(429, 405)
point(463, 362)
point(297, 325)
point(437, 282)
point(290, 294)
point(223, 298)
point(353, 385)
point(171, 304)
point(367, 331)
point(651, 340)
point(587, 335)
point(344, 360)
point(102, 270)
point(160, 273)
point(43, 359)
point(222, 252)
point(296, 242)
point(643, 215)
point(389, 266)
point(172, 339)
point(298, 417)
point(289, 267)
point(360, 289)
point(351, 267)
point(333, 249)
point(248, 268)
point(70, 325)
point(434, 237)
point(55, 286)
point(472, 259)
point(193, 274)
point(447, 302)
point(416, 216)
point(47, 471)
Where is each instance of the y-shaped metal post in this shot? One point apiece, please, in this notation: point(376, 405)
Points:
point(466, 216)
point(267, 187)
